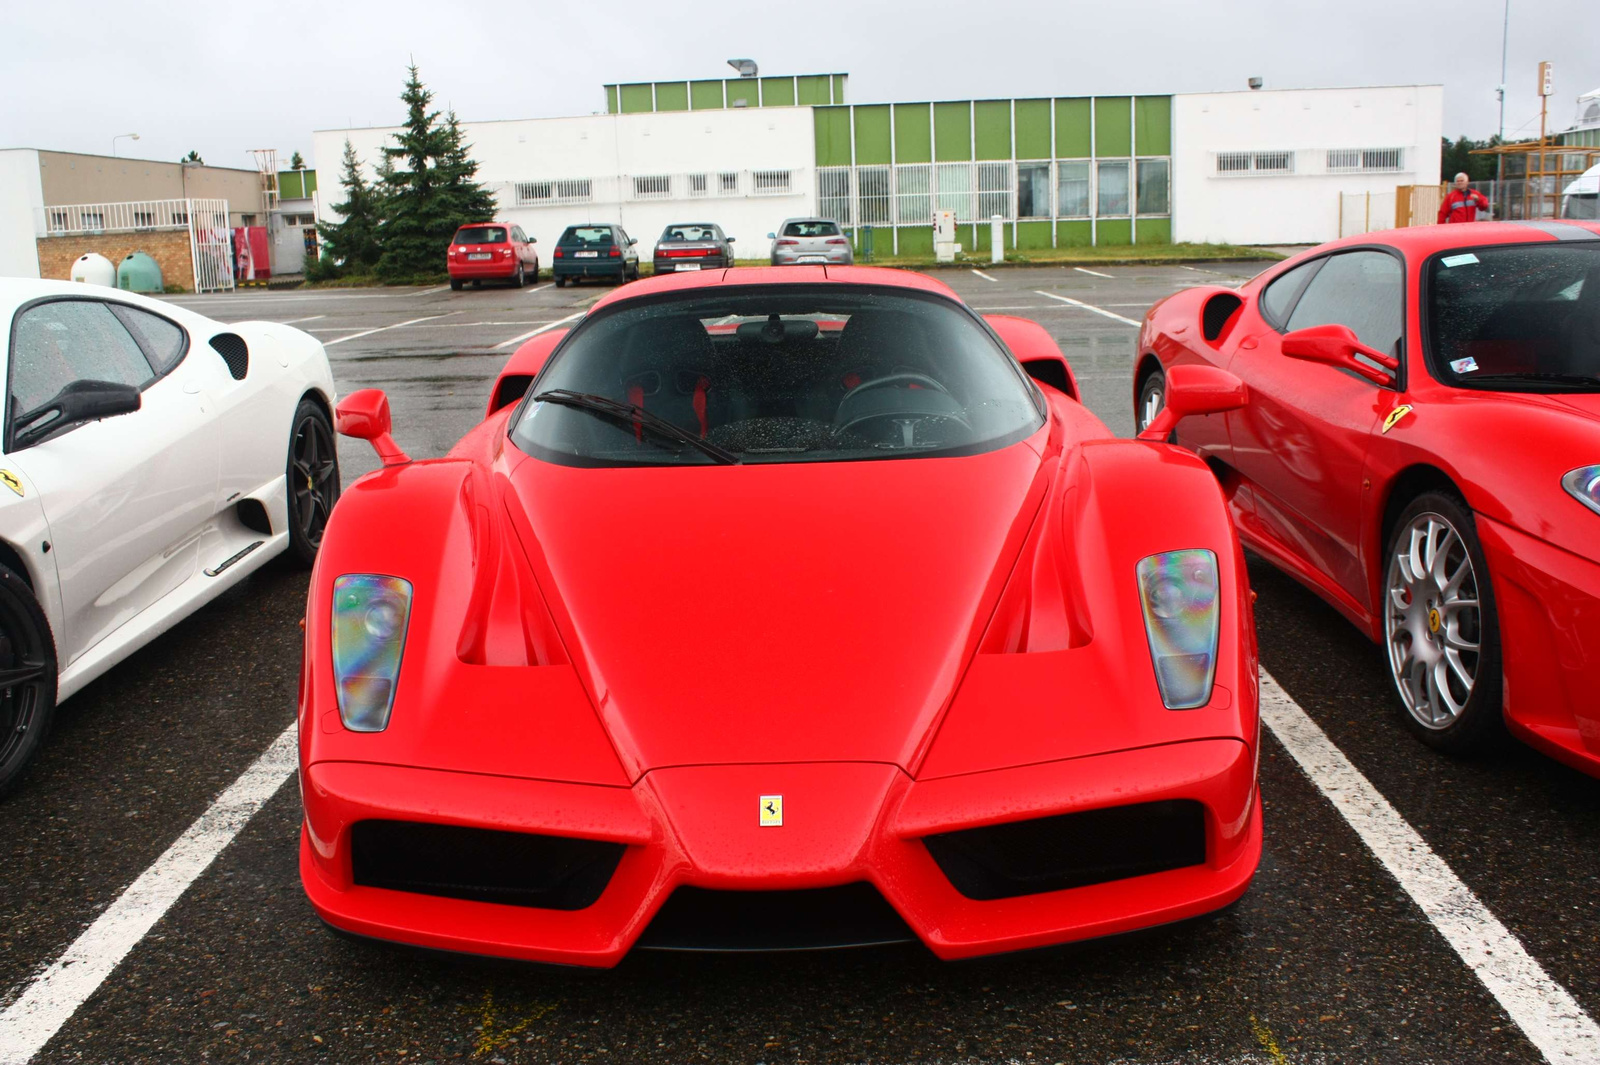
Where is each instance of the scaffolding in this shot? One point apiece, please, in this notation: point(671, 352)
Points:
point(1532, 177)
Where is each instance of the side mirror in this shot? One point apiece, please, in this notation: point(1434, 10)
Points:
point(1195, 390)
point(632, 241)
point(364, 415)
point(772, 236)
point(1337, 346)
point(533, 240)
point(79, 401)
point(731, 239)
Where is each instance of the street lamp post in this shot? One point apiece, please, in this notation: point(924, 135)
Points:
point(118, 137)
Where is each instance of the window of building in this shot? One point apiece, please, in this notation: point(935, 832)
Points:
point(1371, 159)
point(1153, 186)
point(247, 220)
point(874, 194)
point(729, 180)
point(954, 182)
point(652, 186)
point(536, 193)
point(1111, 180)
point(1255, 162)
point(58, 220)
point(913, 199)
point(994, 190)
point(697, 184)
point(833, 193)
point(1072, 188)
point(769, 182)
point(144, 219)
point(92, 220)
point(1033, 190)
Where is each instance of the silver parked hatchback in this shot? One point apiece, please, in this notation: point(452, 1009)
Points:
point(802, 241)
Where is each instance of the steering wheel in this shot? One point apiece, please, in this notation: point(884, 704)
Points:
point(895, 379)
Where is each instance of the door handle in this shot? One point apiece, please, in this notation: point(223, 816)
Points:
point(192, 386)
point(1248, 344)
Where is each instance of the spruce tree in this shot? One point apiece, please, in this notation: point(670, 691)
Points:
point(353, 242)
point(466, 200)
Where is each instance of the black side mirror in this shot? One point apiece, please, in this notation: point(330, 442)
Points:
point(731, 240)
point(80, 401)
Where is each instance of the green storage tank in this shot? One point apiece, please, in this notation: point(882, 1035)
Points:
point(139, 273)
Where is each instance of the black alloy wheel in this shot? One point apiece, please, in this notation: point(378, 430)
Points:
point(313, 476)
point(27, 678)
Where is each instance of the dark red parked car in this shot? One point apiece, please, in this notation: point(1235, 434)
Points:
point(493, 251)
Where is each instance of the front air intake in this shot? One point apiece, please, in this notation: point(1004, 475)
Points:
point(235, 352)
point(850, 915)
point(482, 865)
point(1071, 850)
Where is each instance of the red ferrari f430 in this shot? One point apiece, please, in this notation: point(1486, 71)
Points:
point(778, 609)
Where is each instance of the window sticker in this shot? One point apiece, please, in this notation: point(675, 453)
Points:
point(1466, 365)
point(1464, 259)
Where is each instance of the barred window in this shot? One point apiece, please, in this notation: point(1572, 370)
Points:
point(58, 220)
point(833, 194)
point(144, 219)
point(769, 182)
point(955, 189)
point(913, 194)
point(697, 184)
point(537, 192)
point(876, 199)
point(729, 180)
point(1255, 162)
point(1379, 159)
point(994, 190)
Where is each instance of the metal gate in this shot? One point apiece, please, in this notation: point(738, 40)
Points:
point(210, 245)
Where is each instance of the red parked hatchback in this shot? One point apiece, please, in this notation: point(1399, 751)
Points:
point(496, 251)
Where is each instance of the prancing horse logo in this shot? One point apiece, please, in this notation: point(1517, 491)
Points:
point(772, 811)
point(12, 481)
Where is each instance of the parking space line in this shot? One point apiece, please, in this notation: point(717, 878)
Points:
point(1089, 307)
point(537, 288)
point(385, 328)
point(535, 332)
point(1093, 273)
point(1547, 1014)
point(986, 277)
point(310, 318)
point(56, 993)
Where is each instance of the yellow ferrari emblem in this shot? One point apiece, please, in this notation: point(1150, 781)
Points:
point(1395, 415)
point(12, 481)
point(1433, 620)
point(772, 811)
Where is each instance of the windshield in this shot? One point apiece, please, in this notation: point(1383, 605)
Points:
point(811, 229)
point(676, 233)
point(1517, 318)
point(481, 235)
point(587, 235)
point(786, 373)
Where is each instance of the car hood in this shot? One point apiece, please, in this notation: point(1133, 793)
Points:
point(775, 613)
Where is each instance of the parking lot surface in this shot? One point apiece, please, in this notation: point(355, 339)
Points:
point(1328, 958)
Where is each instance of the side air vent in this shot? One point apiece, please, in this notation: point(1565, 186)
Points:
point(510, 388)
point(1071, 850)
point(234, 352)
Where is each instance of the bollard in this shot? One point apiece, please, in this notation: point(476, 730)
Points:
point(997, 239)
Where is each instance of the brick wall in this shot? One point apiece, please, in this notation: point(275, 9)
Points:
point(170, 250)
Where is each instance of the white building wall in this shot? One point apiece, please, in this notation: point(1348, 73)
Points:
point(21, 203)
point(610, 151)
point(1300, 207)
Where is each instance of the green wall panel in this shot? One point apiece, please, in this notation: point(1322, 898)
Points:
point(913, 136)
point(1072, 129)
point(311, 182)
point(992, 128)
point(979, 248)
point(815, 90)
point(914, 240)
point(1152, 123)
point(672, 96)
point(872, 134)
point(1112, 231)
point(289, 185)
point(1033, 130)
point(1073, 234)
point(1155, 231)
point(742, 89)
point(705, 95)
point(636, 98)
point(1032, 236)
point(777, 92)
point(611, 99)
point(838, 89)
point(833, 136)
point(1112, 133)
point(952, 132)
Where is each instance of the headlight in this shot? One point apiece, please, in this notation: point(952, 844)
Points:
point(370, 613)
point(1178, 590)
point(1583, 484)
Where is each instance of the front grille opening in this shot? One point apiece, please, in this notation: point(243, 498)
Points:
point(851, 915)
point(235, 352)
point(482, 865)
point(1071, 850)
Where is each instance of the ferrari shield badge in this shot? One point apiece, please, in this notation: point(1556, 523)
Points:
point(772, 811)
point(1395, 415)
point(12, 481)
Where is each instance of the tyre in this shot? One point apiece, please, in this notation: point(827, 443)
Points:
point(533, 278)
point(516, 278)
point(455, 284)
point(1152, 397)
point(561, 282)
point(313, 478)
point(1441, 635)
point(27, 678)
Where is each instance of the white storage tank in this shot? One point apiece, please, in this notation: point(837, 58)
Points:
point(95, 269)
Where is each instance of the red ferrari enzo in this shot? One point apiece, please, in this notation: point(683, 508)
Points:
point(775, 609)
point(1421, 446)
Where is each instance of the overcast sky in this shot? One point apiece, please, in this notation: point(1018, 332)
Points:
point(223, 78)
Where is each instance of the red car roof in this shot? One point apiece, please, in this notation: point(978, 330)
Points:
point(1422, 241)
point(781, 275)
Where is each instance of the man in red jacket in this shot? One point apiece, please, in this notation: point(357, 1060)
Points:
point(1462, 204)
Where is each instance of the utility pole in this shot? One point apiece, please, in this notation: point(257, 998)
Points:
point(1500, 160)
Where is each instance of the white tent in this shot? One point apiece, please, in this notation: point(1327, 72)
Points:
point(1581, 199)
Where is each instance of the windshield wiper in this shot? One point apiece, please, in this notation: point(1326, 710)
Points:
point(1552, 378)
point(628, 412)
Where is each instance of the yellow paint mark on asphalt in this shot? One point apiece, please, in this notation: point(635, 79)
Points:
point(1268, 1042)
point(493, 1037)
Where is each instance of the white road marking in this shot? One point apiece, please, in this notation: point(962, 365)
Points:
point(1017, 307)
point(535, 332)
point(539, 288)
point(1093, 273)
point(284, 297)
point(1089, 307)
point(56, 993)
point(986, 277)
point(312, 318)
point(386, 328)
point(1544, 1010)
point(431, 291)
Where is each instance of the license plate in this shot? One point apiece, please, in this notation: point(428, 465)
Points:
point(680, 267)
point(812, 259)
point(479, 255)
point(585, 255)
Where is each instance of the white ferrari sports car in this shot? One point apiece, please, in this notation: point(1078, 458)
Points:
point(151, 458)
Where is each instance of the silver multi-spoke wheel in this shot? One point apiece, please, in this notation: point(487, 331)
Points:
point(1433, 621)
point(1151, 399)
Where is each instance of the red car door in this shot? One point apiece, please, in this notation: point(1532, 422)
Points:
point(1301, 442)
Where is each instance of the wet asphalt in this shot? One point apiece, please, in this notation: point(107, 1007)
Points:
point(1324, 960)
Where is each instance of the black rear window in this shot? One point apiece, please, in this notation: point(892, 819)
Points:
point(811, 229)
point(689, 232)
point(481, 235)
point(587, 235)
